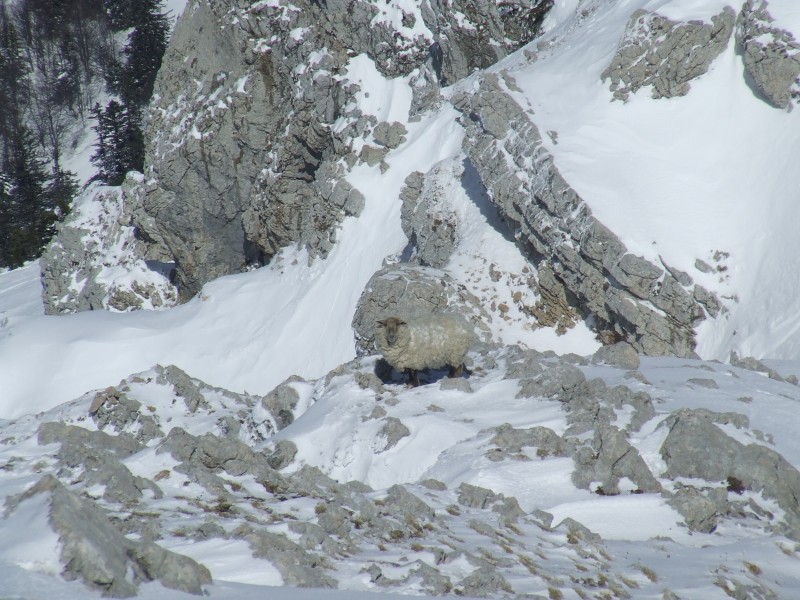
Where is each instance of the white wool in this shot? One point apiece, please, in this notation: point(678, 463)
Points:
point(427, 342)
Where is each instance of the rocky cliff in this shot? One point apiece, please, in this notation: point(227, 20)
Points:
point(262, 110)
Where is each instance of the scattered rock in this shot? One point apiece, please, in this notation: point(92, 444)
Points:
point(93, 550)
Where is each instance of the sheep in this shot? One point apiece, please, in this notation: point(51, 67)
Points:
point(424, 342)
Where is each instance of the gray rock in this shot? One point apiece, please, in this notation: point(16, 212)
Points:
point(560, 381)
point(656, 51)
point(455, 383)
point(771, 54)
point(510, 442)
point(432, 581)
point(393, 431)
point(112, 408)
point(476, 497)
point(297, 566)
point(98, 455)
point(283, 454)
point(400, 502)
point(282, 401)
point(578, 531)
point(589, 267)
point(93, 550)
point(753, 364)
point(265, 169)
point(608, 459)
point(390, 135)
point(408, 290)
point(185, 387)
point(701, 511)
point(621, 355)
point(696, 447)
point(85, 245)
point(427, 215)
point(483, 582)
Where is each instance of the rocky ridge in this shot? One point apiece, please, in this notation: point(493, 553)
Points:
point(173, 463)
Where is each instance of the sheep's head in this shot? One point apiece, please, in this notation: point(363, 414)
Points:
point(392, 327)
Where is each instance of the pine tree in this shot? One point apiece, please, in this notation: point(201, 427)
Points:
point(120, 144)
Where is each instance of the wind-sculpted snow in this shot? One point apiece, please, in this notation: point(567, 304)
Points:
point(550, 476)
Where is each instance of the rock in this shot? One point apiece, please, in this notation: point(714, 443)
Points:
point(476, 497)
point(297, 566)
point(665, 54)
point(587, 264)
point(752, 364)
point(610, 458)
point(93, 550)
point(560, 381)
point(407, 290)
point(390, 135)
point(428, 216)
point(701, 511)
point(455, 383)
point(95, 260)
point(393, 431)
point(283, 454)
point(183, 385)
point(99, 454)
point(696, 447)
point(400, 502)
point(771, 54)
point(252, 155)
point(282, 401)
point(510, 441)
point(483, 582)
point(621, 355)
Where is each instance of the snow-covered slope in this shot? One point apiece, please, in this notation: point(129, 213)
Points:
point(708, 176)
point(503, 482)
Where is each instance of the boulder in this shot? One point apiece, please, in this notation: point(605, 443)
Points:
point(666, 54)
point(771, 54)
point(407, 290)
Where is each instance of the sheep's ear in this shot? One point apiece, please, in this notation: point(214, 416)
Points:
point(381, 323)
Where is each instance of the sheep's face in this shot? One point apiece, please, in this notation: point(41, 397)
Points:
point(392, 327)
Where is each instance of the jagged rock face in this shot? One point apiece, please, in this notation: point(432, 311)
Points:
point(96, 262)
point(771, 54)
point(243, 157)
point(666, 54)
point(555, 227)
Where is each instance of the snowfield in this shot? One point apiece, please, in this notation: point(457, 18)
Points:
point(267, 432)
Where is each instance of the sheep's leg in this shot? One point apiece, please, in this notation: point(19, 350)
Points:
point(455, 372)
point(413, 377)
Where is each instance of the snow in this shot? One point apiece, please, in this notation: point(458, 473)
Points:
point(706, 176)
point(709, 176)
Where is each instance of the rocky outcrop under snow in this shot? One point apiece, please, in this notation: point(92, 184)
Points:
point(771, 54)
point(96, 261)
point(665, 54)
point(215, 465)
point(652, 307)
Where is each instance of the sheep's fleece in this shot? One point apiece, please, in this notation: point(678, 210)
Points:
point(427, 342)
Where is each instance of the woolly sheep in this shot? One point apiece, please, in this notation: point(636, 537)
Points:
point(424, 342)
